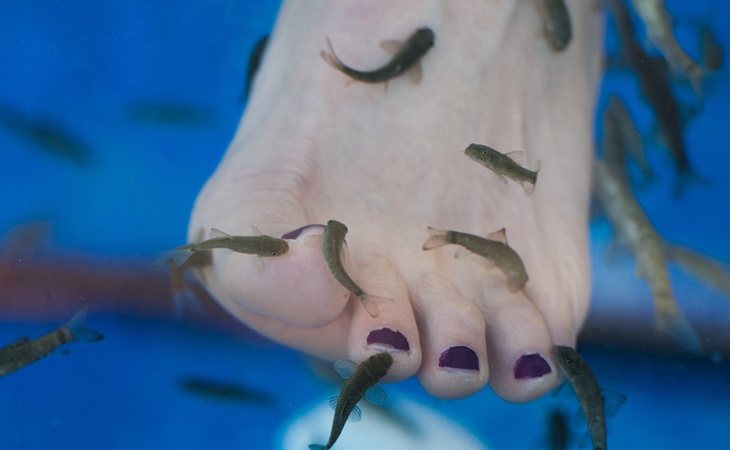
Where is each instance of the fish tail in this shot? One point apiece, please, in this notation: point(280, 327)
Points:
point(179, 256)
point(528, 186)
point(371, 305)
point(680, 331)
point(317, 447)
point(686, 178)
point(79, 331)
point(331, 57)
point(436, 238)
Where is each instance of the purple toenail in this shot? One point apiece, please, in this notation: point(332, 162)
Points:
point(389, 337)
point(295, 233)
point(531, 366)
point(459, 358)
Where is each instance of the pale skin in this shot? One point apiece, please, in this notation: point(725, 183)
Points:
point(389, 162)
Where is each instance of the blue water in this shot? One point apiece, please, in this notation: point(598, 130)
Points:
point(85, 64)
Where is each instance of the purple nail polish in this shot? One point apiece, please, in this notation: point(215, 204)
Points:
point(459, 357)
point(531, 366)
point(295, 233)
point(389, 337)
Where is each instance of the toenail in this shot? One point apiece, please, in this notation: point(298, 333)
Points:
point(295, 233)
point(531, 366)
point(388, 337)
point(459, 357)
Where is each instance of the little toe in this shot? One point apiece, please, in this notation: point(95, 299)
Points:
point(453, 339)
point(394, 328)
point(521, 368)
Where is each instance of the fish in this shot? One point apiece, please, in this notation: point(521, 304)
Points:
point(596, 404)
point(183, 298)
point(494, 249)
point(361, 382)
point(505, 165)
point(658, 25)
point(260, 245)
point(47, 136)
point(702, 267)
point(24, 351)
point(556, 23)
point(621, 138)
point(406, 57)
point(332, 239)
point(254, 61)
point(655, 86)
point(558, 435)
point(226, 391)
point(636, 230)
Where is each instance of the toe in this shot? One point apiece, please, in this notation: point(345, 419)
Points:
point(394, 328)
point(519, 346)
point(295, 288)
point(453, 339)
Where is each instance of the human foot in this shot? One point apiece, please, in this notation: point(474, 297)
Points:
point(388, 163)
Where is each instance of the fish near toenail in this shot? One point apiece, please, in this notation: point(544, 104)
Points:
point(531, 366)
point(291, 235)
point(459, 357)
point(386, 336)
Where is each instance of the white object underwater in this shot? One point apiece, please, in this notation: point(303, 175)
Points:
point(403, 425)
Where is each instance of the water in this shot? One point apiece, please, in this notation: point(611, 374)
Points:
point(150, 93)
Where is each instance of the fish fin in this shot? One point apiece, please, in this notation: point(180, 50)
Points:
point(517, 156)
point(579, 418)
point(688, 177)
point(316, 447)
point(501, 178)
point(370, 305)
point(559, 390)
point(376, 396)
point(461, 252)
point(333, 401)
point(355, 414)
point(391, 46)
point(331, 57)
point(345, 367)
point(259, 264)
point(436, 238)
point(499, 236)
point(216, 233)
point(256, 231)
point(612, 401)
point(681, 332)
point(528, 187)
point(178, 257)
point(416, 73)
point(79, 330)
point(60, 351)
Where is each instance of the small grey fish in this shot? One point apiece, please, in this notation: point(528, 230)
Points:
point(169, 113)
point(261, 245)
point(24, 351)
point(630, 222)
point(332, 239)
point(505, 165)
point(556, 23)
point(592, 400)
point(407, 56)
point(620, 137)
point(254, 61)
point(658, 24)
point(361, 382)
point(494, 249)
point(225, 391)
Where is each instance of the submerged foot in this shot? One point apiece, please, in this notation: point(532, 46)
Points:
point(388, 163)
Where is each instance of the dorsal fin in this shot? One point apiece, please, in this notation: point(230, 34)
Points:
point(517, 156)
point(499, 236)
point(216, 233)
point(256, 230)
